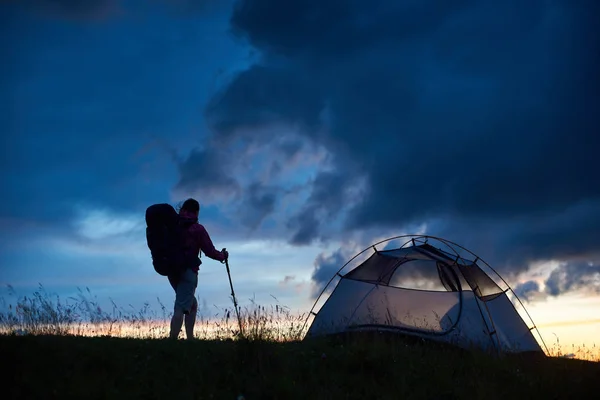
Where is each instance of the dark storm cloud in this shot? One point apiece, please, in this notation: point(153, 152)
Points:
point(329, 191)
point(259, 202)
point(290, 148)
point(192, 7)
point(93, 10)
point(64, 146)
point(513, 242)
point(582, 277)
point(305, 226)
point(82, 103)
point(73, 9)
point(207, 171)
point(261, 96)
point(476, 113)
point(325, 268)
point(527, 291)
point(333, 28)
point(247, 180)
point(574, 277)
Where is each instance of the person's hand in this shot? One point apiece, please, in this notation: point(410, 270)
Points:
point(225, 253)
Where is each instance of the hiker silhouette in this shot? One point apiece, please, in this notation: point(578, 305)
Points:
point(196, 240)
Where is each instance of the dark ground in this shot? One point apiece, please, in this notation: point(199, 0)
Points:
point(44, 367)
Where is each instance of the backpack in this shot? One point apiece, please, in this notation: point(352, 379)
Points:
point(165, 240)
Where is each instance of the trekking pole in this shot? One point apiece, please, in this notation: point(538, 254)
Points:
point(233, 295)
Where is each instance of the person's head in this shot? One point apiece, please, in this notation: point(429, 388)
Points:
point(191, 206)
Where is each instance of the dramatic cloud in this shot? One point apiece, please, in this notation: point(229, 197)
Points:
point(477, 117)
point(74, 9)
point(97, 112)
point(528, 291)
point(581, 277)
point(191, 7)
point(206, 172)
point(325, 267)
point(101, 10)
point(262, 96)
point(574, 277)
point(330, 194)
point(341, 123)
point(257, 180)
point(261, 202)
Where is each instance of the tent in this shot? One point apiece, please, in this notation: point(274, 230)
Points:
point(434, 292)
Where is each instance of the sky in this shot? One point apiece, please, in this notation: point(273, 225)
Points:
point(307, 130)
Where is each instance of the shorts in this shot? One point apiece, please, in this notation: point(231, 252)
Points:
point(185, 288)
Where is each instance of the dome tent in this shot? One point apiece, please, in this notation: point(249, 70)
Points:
point(452, 300)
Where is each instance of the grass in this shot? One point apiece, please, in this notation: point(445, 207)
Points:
point(74, 349)
point(43, 314)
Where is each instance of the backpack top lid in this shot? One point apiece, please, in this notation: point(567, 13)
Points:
point(161, 214)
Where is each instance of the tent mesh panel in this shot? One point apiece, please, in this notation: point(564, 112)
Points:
point(424, 268)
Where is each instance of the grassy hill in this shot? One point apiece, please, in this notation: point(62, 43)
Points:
point(53, 366)
point(76, 350)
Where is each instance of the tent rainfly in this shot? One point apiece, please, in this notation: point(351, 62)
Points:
point(426, 291)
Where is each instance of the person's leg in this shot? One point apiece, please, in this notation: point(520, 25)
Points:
point(176, 322)
point(190, 320)
point(177, 318)
point(186, 304)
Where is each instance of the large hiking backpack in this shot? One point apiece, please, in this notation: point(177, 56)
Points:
point(164, 236)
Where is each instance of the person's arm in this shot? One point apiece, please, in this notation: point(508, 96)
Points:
point(206, 244)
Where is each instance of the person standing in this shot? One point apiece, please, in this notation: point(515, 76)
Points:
point(197, 241)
